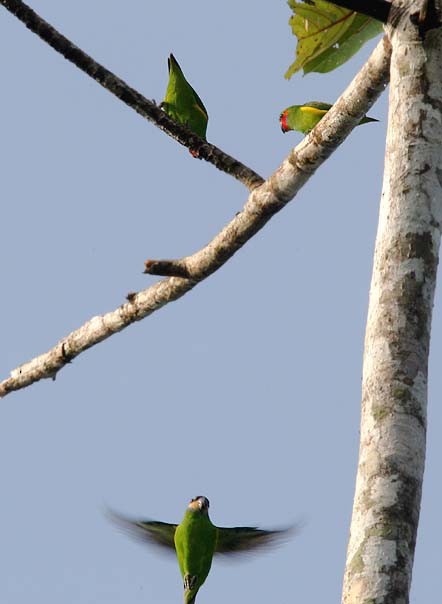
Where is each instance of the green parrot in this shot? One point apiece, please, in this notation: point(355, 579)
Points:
point(196, 540)
point(304, 118)
point(182, 103)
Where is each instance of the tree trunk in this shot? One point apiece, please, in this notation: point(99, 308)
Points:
point(394, 390)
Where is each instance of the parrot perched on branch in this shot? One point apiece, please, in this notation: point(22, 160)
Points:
point(304, 118)
point(196, 540)
point(182, 103)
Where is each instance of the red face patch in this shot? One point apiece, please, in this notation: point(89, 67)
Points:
point(283, 121)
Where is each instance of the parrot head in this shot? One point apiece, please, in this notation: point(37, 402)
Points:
point(199, 504)
point(300, 117)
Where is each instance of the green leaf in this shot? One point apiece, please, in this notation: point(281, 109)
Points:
point(361, 30)
point(328, 35)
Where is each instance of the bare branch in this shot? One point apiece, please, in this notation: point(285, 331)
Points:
point(167, 268)
point(132, 98)
point(263, 203)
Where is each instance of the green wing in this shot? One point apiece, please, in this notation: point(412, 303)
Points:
point(318, 105)
point(148, 531)
point(185, 86)
point(182, 102)
point(327, 106)
point(243, 539)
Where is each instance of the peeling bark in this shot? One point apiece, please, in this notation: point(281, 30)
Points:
point(394, 390)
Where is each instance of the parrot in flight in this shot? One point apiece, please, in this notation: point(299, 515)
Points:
point(196, 540)
point(183, 104)
point(304, 118)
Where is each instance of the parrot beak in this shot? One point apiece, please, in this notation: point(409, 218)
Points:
point(204, 503)
point(283, 122)
point(196, 504)
point(199, 503)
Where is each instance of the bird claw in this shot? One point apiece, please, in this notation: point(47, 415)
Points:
point(190, 581)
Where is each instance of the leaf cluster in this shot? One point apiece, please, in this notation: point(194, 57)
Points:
point(328, 35)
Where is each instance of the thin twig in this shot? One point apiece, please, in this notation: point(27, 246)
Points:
point(132, 98)
point(263, 203)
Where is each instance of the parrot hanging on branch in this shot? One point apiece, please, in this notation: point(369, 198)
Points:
point(304, 118)
point(196, 540)
point(182, 103)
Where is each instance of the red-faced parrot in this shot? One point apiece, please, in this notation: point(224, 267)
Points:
point(304, 118)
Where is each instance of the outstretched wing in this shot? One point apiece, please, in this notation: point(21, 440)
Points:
point(147, 531)
point(243, 539)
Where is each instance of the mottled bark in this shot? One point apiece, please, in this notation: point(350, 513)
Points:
point(394, 390)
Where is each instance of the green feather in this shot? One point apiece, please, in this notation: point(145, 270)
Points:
point(318, 105)
point(243, 539)
point(182, 103)
point(304, 118)
point(196, 540)
point(156, 533)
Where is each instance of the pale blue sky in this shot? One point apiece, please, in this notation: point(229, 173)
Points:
point(248, 389)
